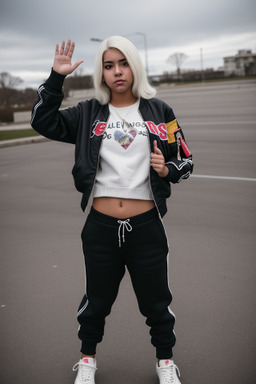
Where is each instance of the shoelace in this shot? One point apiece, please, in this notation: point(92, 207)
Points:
point(123, 224)
point(168, 373)
point(87, 370)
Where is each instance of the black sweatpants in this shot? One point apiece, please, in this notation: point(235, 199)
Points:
point(140, 245)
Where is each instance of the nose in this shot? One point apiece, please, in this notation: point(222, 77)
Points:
point(118, 70)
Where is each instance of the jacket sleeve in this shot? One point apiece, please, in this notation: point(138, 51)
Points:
point(179, 162)
point(47, 119)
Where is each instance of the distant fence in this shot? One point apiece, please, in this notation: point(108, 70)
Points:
point(21, 117)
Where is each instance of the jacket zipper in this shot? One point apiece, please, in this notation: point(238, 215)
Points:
point(149, 174)
point(98, 163)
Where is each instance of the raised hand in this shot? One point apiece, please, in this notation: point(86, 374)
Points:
point(158, 162)
point(63, 56)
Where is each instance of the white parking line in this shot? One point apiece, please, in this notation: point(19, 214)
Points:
point(218, 122)
point(224, 177)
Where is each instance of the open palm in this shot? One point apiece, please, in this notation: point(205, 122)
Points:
point(63, 56)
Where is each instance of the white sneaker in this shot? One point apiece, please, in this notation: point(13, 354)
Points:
point(167, 372)
point(86, 370)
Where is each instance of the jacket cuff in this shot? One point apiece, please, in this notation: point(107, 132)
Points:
point(55, 80)
point(179, 169)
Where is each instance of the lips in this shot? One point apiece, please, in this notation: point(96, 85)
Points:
point(119, 82)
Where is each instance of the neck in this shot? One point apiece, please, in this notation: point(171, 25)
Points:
point(120, 100)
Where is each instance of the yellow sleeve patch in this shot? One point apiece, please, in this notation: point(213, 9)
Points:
point(171, 127)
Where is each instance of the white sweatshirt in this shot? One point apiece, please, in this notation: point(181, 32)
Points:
point(124, 156)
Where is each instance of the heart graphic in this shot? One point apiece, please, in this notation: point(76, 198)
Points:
point(125, 138)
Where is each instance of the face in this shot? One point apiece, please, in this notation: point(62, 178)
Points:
point(117, 73)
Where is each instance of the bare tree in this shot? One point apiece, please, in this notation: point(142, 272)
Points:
point(9, 81)
point(7, 84)
point(177, 59)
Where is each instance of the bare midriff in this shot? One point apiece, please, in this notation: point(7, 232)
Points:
point(122, 208)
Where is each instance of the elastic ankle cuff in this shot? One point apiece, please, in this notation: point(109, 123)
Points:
point(88, 349)
point(162, 354)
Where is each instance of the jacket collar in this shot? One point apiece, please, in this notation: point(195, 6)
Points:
point(104, 112)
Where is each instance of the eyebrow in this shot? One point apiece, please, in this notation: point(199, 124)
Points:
point(120, 61)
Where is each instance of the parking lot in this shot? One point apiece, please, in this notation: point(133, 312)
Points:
point(211, 229)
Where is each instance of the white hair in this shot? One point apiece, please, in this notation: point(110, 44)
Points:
point(141, 86)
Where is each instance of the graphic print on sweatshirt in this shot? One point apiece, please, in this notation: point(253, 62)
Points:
point(124, 126)
point(125, 134)
point(125, 138)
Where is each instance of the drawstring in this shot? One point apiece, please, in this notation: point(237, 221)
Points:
point(125, 225)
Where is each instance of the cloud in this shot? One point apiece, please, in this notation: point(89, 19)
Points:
point(29, 30)
point(213, 50)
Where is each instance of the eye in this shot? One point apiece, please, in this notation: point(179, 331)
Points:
point(108, 66)
point(125, 64)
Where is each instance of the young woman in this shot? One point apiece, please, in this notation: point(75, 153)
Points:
point(128, 149)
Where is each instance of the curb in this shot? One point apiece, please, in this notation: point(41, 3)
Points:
point(25, 140)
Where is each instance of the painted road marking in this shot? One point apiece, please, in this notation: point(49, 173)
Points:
point(224, 177)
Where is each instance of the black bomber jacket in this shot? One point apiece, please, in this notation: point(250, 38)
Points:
point(84, 126)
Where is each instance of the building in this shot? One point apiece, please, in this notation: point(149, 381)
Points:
point(242, 64)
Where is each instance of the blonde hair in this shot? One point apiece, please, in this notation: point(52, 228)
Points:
point(141, 86)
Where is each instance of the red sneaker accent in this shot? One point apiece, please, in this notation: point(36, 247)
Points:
point(86, 361)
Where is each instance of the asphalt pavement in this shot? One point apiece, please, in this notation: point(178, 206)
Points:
point(211, 229)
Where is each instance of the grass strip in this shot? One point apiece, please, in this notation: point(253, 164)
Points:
point(17, 134)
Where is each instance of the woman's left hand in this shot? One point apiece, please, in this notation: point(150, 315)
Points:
point(158, 161)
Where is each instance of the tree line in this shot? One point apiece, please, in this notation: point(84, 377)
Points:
point(13, 99)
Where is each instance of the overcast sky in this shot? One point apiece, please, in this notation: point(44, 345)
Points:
point(29, 30)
